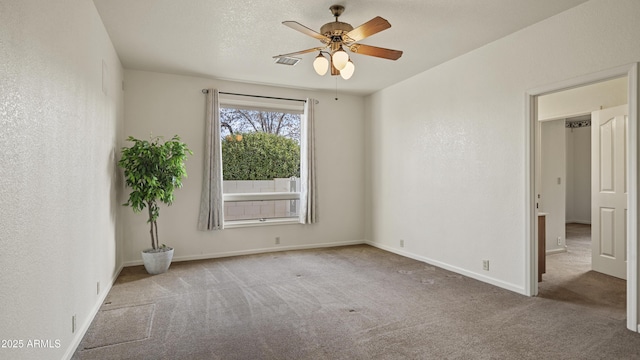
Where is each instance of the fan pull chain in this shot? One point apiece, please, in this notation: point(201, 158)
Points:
point(336, 88)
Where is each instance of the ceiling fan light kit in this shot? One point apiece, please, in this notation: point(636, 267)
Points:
point(334, 35)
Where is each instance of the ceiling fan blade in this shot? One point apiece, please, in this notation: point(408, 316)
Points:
point(367, 29)
point(300, 52)
point(305, 30)
point(376, 51)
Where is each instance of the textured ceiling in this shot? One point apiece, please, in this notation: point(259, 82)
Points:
point(235, 40)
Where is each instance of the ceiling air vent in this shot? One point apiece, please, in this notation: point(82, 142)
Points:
point(285, 60)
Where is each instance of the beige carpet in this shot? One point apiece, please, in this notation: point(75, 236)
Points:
point(117, 326)
point(569, 277)
point(354, 302)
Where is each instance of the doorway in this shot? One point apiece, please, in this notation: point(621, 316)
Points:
point(533, 186)
point(564, 179)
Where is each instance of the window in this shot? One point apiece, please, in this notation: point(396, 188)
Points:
point(261, 161)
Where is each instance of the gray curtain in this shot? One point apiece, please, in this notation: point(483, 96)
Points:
point(308, 200)
point(211, 203)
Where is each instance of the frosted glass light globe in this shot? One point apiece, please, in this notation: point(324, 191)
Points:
point(321, 65)
point(348, 70)
point(340, 59)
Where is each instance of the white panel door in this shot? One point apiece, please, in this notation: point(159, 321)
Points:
point(609, 191)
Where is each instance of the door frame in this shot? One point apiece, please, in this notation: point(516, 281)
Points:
point(531, 136)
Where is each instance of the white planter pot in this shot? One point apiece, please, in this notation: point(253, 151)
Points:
point(157, 261)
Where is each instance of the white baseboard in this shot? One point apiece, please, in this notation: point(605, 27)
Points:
point(455, 269)
point(253, 251)
point(82, 330)
point(585, 222)
point(556, 251)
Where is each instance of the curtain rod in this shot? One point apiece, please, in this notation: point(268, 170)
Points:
point(205, 91)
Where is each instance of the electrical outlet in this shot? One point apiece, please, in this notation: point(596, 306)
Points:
point(559, 240)
point(485, 265)
point(277, 240)
point(73, 324)
point(401, 243)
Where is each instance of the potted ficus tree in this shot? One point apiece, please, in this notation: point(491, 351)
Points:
point(153, 169)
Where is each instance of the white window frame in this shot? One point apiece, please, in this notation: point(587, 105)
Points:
point(268, 196)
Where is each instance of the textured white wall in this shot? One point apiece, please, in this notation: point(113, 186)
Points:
point(446, 148)
point(170, 104)
point(583, 99)
point(579, 175)
point(569, 142)
point(58, 136)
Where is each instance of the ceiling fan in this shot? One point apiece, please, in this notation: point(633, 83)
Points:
point(335, 35)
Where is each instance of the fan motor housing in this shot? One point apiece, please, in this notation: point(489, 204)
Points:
point(335, 28)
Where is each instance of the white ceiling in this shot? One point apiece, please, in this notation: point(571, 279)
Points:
point(236, 39)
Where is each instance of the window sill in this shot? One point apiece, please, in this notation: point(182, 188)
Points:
point(253, 223)
point(261, 196)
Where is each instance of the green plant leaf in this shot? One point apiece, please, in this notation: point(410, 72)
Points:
point(153, 170)
point(260, 156)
